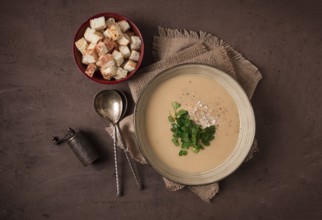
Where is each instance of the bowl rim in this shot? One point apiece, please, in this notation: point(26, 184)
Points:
point(133, 26)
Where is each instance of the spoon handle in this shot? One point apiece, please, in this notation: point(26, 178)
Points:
point(129, 162)
point(118, 191)
point(133, 171)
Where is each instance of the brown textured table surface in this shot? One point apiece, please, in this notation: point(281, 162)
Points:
point(42, 93)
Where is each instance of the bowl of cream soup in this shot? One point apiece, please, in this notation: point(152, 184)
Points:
point(210, 97)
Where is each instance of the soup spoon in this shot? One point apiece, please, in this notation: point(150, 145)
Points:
point(125, 105)
point(111, 105)
point(108, 104)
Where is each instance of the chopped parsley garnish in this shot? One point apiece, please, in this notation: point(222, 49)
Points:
point(188, 134)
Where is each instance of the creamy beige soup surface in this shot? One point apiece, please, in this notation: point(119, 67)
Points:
point(189, 89)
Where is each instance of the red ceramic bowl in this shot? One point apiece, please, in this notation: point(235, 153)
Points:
point(97, 77)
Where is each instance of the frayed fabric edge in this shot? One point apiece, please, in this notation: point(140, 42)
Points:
point(208, 39)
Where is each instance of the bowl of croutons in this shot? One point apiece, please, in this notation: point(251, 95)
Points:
point(108, 48)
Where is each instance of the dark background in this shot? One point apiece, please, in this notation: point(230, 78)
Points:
point(42, 93)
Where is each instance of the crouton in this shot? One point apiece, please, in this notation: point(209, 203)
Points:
point(115, 32)
point(81, 45)
point(109, 22)
point(134, 55)
point(90, 70)
point(105, 61)
point(118, 58)
point(89, 56)
point(92, 36)
point(101, 49)
point(98, 23)
point(88, 32)
point(123, 41)
point(130, 65)
point(125, 51)
point(110, 44)
point(108, 72)
point(121, 73)
point(124, 25)
point(135, 43)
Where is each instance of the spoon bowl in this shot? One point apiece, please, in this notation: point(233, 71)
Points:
point(109, 105)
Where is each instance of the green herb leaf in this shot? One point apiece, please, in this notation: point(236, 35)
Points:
point(171, 118)
point(187, 133)
point(183, 153)
point(175, 105)
point(181, 112)
point(175, 141)
point(199, 146)
point(185, 145)
point(196, 150)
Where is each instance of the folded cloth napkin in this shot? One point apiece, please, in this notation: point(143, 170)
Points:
point(173, 47)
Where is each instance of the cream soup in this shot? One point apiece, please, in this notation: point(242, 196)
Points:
point(189, 89)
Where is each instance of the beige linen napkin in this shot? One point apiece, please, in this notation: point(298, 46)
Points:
point(173, 47)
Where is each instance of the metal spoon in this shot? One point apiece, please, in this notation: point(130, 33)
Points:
point(112, 105)
point(108, 104)
point(125, 104)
